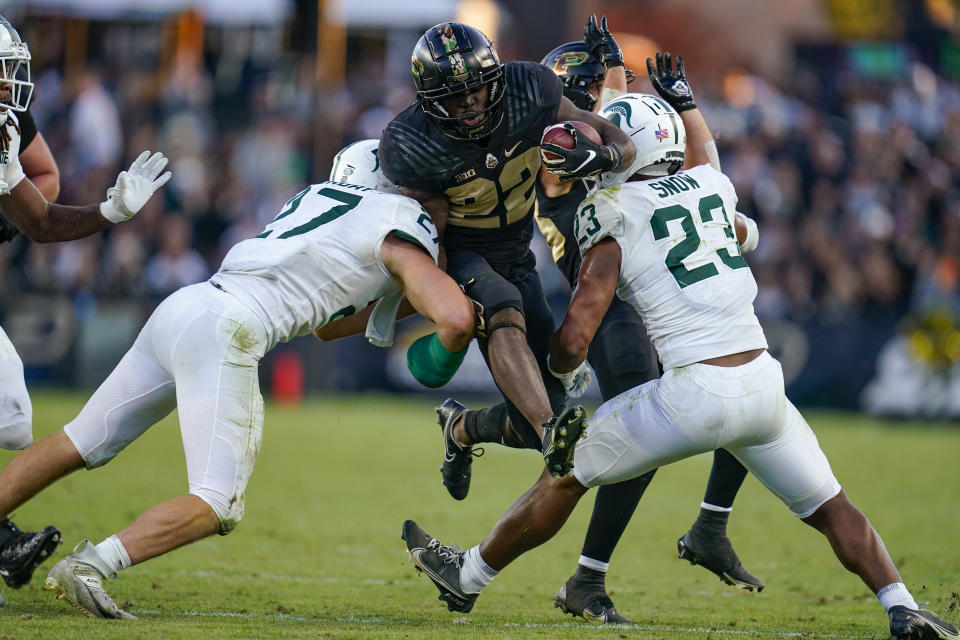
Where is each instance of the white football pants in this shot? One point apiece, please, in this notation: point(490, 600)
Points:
point(198, 352)
point(16, 412)
point(700, 408)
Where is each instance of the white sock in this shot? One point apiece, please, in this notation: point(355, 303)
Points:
point(596, 565)
point(895, 594)
point(475, 574)
point(713, 507)
point(112, 552)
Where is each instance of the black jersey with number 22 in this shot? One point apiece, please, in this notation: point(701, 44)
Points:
point(490, 185)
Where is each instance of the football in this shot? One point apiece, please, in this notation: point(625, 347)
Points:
point(556, 134)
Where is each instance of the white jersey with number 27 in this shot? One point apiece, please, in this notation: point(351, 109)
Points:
point(681, 267)
point(319, 260)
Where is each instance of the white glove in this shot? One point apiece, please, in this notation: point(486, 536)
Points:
point(574, 382)
point(134, 187)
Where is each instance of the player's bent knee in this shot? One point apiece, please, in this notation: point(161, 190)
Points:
point(505, 318)
point(229, 511)
point(814, 504)
point(18, 435)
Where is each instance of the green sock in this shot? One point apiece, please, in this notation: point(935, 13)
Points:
point(431, 363)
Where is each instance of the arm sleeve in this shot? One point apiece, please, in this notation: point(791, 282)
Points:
point(597, 218)
point(28, 130)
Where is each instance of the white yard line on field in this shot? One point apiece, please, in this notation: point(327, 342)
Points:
point(586, 628)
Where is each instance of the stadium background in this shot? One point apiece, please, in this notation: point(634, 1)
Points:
point(838, 121)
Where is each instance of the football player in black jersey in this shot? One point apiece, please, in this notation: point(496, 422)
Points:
point(468, 150)
point(621, 354)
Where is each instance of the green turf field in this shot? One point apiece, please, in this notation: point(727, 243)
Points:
point(319, 553)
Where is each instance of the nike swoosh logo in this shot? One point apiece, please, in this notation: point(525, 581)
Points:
point(509, 152)
point(591, 155)
point(415, 554)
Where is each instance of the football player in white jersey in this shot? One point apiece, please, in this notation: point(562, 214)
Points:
point(669, 243)
point(331, 250)
point(24, 209)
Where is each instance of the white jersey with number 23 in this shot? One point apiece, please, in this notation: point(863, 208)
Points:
point(681, 267)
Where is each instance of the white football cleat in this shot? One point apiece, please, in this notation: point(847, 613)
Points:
point(78, 579)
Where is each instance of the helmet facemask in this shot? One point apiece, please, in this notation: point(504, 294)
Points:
point(14, 69)
point(455, 126)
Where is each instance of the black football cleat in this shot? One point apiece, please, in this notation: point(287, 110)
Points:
point(457, 459)
point(585, 595)
point(442, 565)
point(716, 554)
point(919, 624)
point(560, 437)
point(23, 552)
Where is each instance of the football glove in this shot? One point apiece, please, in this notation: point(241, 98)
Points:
point(601, 43)
point(671, 85)
point(134, 187)
point(574, 382)
point(585, 160)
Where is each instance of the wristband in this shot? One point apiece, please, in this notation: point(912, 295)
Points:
point(432, 364)
point(110, 211)
point(753, 234)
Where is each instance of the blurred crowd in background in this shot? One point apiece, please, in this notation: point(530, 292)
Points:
point(851, 177)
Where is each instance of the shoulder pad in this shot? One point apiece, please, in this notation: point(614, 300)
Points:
point(597, 218)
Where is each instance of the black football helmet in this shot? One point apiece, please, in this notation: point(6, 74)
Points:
point(451, 58)
point(578, 69)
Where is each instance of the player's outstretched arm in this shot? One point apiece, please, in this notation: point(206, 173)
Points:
point(435, 358)
point(357, 323)
point(43, 221)
point(671, 83)
point(432, 293)
point(41, 168)
point(596, 286)
point(603, 46)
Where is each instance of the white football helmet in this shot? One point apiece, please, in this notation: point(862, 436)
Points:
point(655, 130)
point(14, 69)
point(359, 164)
